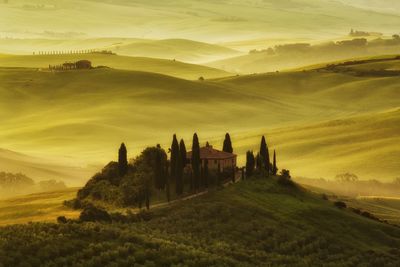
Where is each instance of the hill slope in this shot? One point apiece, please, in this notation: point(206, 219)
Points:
point(292, 56)
point(162, 66)
point(70, 114)
point(39, 207)
point(241, 225)
point(44, 169)
point(179, 49)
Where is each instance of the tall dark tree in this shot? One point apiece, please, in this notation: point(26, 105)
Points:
point(122, 160)
point(227, 147)
point(250, 163)
point(274, 167)
point(159, 168)
point(258, 162)
point(183, 152)
point(196, 161)
point(264, 154)
point(180, 167)
point(175, 160)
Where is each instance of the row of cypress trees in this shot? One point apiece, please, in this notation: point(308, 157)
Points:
point(261, 161)
point(173, 170)
point(199, 176)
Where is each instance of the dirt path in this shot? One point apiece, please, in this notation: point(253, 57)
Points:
point(166, 204)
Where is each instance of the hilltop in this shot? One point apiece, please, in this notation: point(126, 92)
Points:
point(161, 66)
point(257, 222)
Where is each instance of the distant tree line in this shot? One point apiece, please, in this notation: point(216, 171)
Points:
point(74, 52)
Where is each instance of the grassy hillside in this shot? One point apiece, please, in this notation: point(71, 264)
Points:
point(253, 223)
point(162, 66)
point(386, 208)
point(69, 116)
point(296, 56)
point(337, 146)
point(179, 49)
point(190, 19)
point(40, 207)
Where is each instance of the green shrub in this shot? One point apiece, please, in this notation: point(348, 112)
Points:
point(92, 213)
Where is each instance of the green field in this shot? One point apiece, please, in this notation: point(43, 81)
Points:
point(319, 54)
point(40, 207)
point(321, 122)
point(179, 49)
point(386, 208)
point(253, 223)
point(162, 66)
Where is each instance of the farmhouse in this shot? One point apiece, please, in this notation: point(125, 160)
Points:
point(217, 160)
point(78, 65)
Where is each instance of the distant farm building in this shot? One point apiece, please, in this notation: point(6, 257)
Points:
point(79, 65)
point(217, 160)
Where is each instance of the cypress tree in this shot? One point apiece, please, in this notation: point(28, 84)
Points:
point(122, 160)
point(227, 147)
point(274, 168)
point(264, 154)
point(180, 167)
point(183, 152)
point(196, 161)
point(175, 160)
point(258, 162)
point(250, 162)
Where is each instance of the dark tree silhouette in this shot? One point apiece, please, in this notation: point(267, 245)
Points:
point(250, 163)
point(264, 154)
point(175, 164)
point(274, 167)
point(196, 161)
point(183, 152)
point(159, 168)
point(122, 160)
point(227, 147)
point(181, 165)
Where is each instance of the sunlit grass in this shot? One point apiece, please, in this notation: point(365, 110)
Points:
point(40, 207)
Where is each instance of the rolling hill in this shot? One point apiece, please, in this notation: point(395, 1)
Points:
point(162, 66)
point(179, 49)
point(286, 56)
point(257, 222)
point(70, 114)
point(39, 207)
point(69, 170)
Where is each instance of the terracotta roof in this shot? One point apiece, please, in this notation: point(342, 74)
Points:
point(208, 152)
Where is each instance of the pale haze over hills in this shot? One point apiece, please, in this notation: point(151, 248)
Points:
point(153, 86)
point(210, 21)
